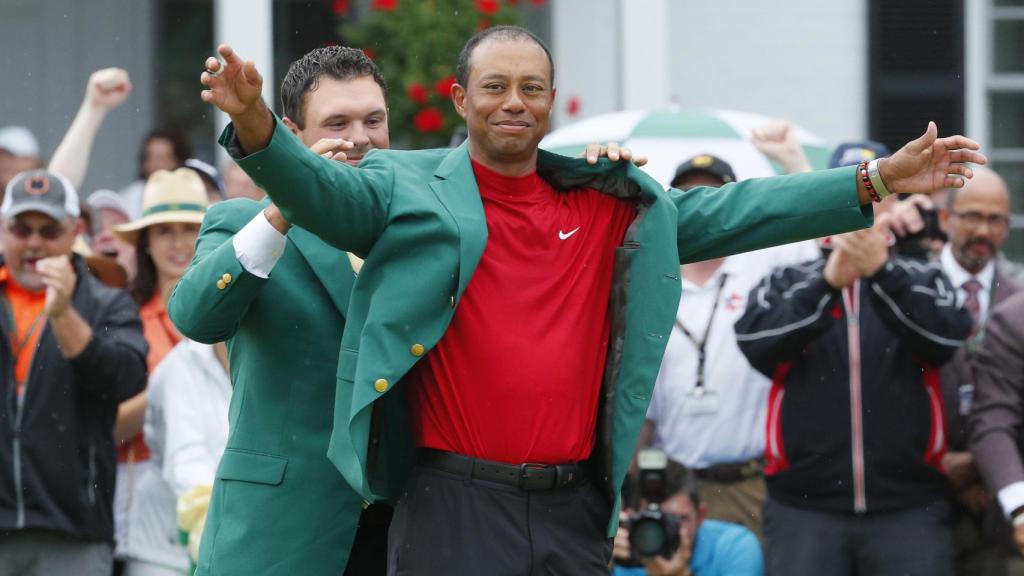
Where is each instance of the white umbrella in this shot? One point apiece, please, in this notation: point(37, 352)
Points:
point(670, 137)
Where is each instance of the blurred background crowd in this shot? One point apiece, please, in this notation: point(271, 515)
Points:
point(853, 405)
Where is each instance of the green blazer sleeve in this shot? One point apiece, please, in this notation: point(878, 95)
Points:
point(345, 206)
point(763, 212)
point(203, 306)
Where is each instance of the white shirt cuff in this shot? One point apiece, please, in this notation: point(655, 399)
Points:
point(1011, 497)
point(258, 246)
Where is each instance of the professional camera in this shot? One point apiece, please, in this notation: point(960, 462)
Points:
point(652, 532)
point(919, 244)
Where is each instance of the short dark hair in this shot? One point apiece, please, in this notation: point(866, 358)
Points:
point(498, 33)
point(179, 143)
point(338, 62)
point(679, 478)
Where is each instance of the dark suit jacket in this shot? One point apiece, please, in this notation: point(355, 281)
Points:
point(958, 372)
point(998, 416)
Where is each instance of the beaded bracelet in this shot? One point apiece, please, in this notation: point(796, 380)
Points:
point(862, 169)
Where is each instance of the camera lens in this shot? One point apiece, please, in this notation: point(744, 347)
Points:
point(647, 537)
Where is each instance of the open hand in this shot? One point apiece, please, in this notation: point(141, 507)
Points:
point(930, 163)
point(234, 86)
point(613, 152)
point(108, 88)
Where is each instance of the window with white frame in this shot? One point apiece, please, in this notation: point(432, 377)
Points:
point(999, 35)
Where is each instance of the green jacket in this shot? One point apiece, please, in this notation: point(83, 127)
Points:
point(278, 505)
point(417, 219)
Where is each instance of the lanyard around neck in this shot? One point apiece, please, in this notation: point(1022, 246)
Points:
point(701, 345)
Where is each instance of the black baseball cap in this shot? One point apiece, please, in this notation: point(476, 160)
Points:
point(853, 153)
point(707, 163)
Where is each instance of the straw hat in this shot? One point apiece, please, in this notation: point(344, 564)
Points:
point(177, 196)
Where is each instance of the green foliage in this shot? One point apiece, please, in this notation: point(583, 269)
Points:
point(416, 43)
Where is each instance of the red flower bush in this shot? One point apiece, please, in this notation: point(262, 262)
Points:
point(443, 88)
point(417, 93)
point(488, 7)
point(429, 120)
point(385, 5)
point(340, 6)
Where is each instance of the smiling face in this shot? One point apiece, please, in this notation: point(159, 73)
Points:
point(353, 110)
point(171, 245)
point(30, 237)
point(506, 103)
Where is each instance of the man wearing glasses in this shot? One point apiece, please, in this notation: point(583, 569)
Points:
point(74, 350)
point(977, 221)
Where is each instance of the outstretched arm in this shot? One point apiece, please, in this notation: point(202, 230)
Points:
point(107, 89)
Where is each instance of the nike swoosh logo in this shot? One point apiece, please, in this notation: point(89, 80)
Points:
point(563, 235)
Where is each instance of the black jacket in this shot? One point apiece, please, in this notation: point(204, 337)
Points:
point(866, 439)
point(57, 457)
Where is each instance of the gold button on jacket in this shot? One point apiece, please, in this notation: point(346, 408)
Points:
point(226, 278)
point(417, 350)
point(380, 385)
point(221, 284)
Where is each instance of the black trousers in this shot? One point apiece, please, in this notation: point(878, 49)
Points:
point(369, 554)
point(802, 542)
point(449, 525)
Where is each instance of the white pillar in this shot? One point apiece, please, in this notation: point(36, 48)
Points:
point(977, 62)
point(644, 53)
point(248, 26)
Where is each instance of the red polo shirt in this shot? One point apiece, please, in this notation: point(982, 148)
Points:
point(517, 375)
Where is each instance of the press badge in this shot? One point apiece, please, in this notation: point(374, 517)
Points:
point(700, 402)
point(966, 397)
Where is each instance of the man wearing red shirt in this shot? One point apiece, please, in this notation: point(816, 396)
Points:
point(538, 289)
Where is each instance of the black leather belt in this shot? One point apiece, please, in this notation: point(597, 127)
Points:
point(528, 477)
point(729, 473)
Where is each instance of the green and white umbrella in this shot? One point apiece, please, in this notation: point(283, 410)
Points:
point(670, 137)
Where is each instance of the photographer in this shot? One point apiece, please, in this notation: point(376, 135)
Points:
point(676, 539)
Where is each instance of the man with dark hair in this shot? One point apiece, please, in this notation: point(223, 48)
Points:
point(514, 306)
point(280, 302)
point(501, 33)
point(280, 326)
point(706, 547)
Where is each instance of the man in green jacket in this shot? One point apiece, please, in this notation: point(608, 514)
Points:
point(278, 505)
point(509, 321)
point(334, 100)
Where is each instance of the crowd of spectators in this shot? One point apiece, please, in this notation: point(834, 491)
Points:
point(848, 406)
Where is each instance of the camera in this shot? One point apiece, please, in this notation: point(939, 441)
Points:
point(919, 244)
point(652, 531)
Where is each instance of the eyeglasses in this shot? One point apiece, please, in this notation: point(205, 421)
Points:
point(975, 219)
point(24, 231)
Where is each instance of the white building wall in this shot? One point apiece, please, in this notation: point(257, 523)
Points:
point(804, 60)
